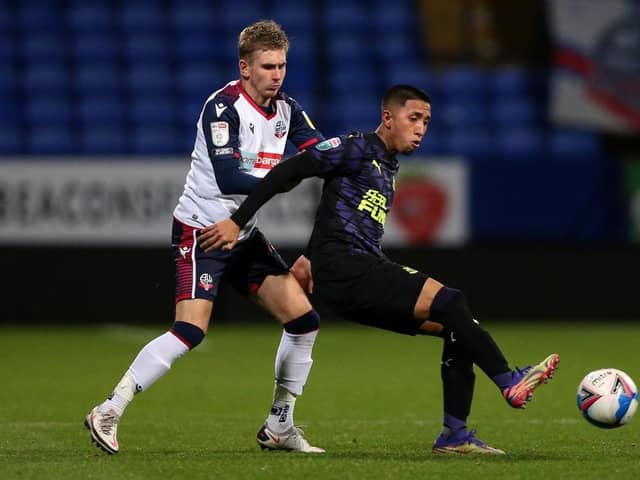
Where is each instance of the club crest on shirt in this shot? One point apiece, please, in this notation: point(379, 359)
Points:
point(280, 130)
point(219, 133)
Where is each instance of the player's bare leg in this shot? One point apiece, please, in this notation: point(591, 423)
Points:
point(283, 297)
point(152, 362)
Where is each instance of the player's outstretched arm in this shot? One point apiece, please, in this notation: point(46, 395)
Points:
point(282, 178)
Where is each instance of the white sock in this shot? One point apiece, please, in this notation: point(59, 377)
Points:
point(153, 361)
point(280, 418)
point(293, 364)
point(293, 360)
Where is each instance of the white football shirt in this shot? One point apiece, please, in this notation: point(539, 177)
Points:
point(238, 142)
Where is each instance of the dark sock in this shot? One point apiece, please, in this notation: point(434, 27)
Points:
point(503, 380)
point(458, 381)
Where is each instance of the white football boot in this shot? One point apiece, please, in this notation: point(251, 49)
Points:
point(104, 429)
point(292, 440)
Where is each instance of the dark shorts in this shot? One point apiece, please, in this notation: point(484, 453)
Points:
point(369, 290)
point(199, 274)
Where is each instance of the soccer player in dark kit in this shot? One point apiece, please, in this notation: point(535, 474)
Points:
point(353, 277)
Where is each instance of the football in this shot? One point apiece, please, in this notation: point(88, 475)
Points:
point(607, 398)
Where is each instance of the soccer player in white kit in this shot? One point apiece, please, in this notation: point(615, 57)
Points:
point(241, 135)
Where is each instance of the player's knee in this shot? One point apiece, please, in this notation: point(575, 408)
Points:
point(190, 334)
point(309, 322)
point(450, 308)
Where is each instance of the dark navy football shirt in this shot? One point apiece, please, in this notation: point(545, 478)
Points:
point(359, 183)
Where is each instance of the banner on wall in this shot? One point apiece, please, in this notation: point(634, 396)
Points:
point(130, 203)
point(430, 205)
point(596, 79)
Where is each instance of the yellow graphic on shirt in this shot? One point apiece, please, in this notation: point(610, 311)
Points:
point(308, 120)
point(376, 204)
point(409, 270)
point(377, 165)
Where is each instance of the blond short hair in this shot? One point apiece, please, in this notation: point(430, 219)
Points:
point(262, 35)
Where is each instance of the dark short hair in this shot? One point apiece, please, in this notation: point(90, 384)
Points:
point(399, 94)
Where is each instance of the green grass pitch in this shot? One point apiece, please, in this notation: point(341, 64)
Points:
point(373, 401)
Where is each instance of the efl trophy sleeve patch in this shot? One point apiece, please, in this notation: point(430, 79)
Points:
point(327, 144)
point(219, 133)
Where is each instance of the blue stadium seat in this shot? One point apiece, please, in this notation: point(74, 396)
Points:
point(194, 46)
point(345, 48)
point(8, 47)
point(297, 19)
point(567, 144)
point(149, 78)
point(146, 46)
point(89, 46)
point(396, 16)
point(301, 67)
point(520, 143)
point(90, 16)
point(300, 87)
point(101, 111)
point(46, 109)
point(414, 74)
point(50, 140)
point(11, 140)
point(455, 114)
point(234, 15)
point(200, 80)
point(470, 142)
point(515, 111)
point(7, 20)
point(8, 79)
point(304, 51)
point(342, 16)
point(307, 101)
point(152, 110)
point(111, 140)
point(194, 16)
point(355, 77)
point(157, 140)
point(185, 140)
point(513, 81)
point(49, 78)
point(510, 81)
point(397, 48)
point(187, 114)
point(463, 83)
point(97, 78)
point(49, 47)
point(143, 16)
point(361, 112)
point(11, 111)
point(34, 17)
point(436, 142)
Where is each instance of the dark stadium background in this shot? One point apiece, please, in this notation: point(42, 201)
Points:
point(552, 231)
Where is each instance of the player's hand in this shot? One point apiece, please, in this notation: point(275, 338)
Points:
point(222, 234)
point(301, 270)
